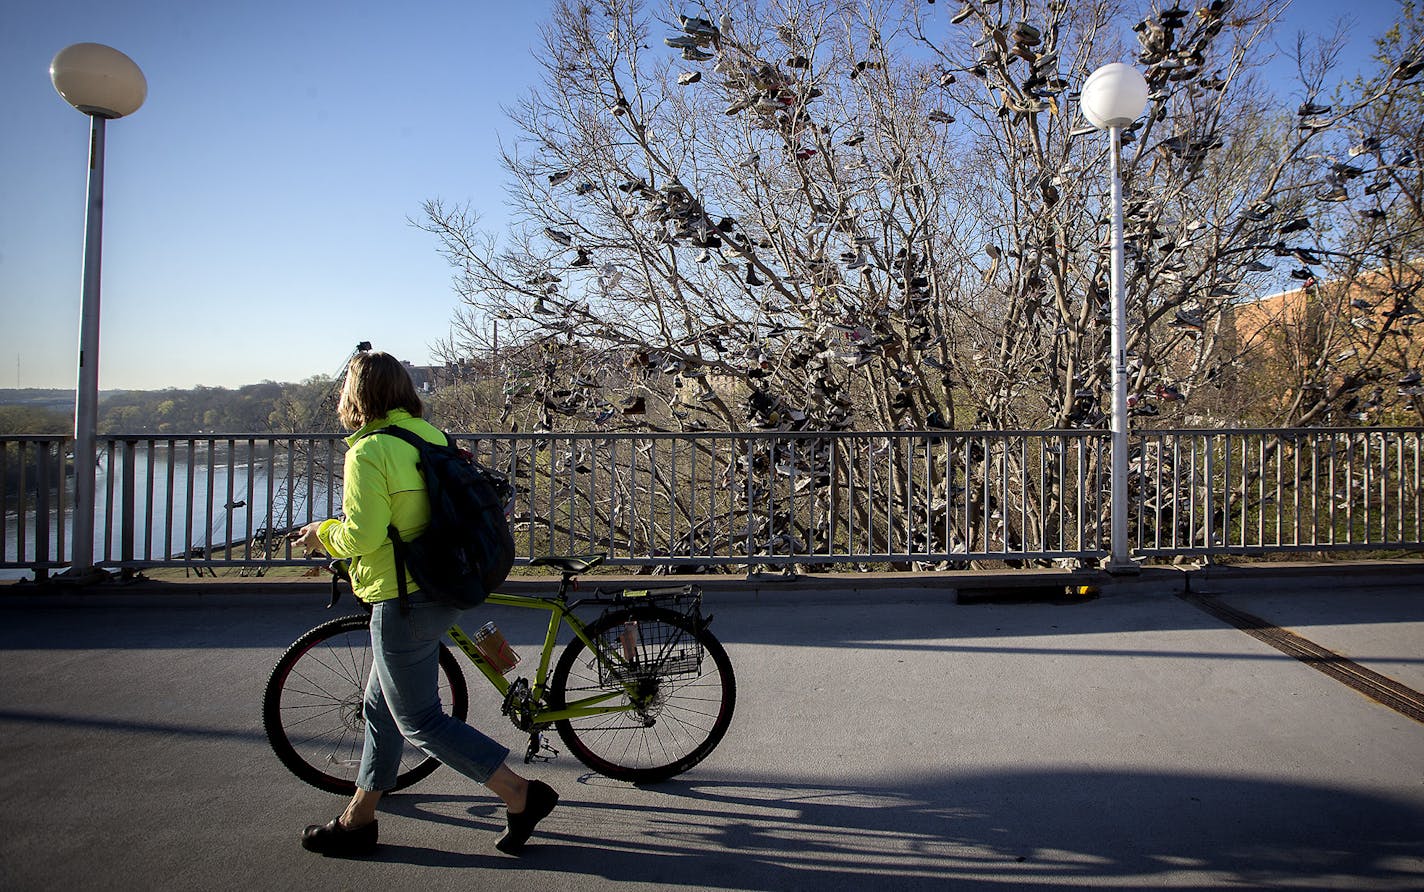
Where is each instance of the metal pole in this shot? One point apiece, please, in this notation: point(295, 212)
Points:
point(1119, 561)
point(86, 394)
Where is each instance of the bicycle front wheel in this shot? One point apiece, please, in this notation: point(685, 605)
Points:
point(311, 709)
point(674, 676)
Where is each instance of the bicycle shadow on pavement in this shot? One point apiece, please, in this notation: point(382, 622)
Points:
point(1017, 829)
point(858, 623)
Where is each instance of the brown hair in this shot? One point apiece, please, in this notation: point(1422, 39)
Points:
point(376, 383)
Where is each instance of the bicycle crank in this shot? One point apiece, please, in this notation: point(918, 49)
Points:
point(519, 705)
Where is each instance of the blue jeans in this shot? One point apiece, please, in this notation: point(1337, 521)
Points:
point(403, 699)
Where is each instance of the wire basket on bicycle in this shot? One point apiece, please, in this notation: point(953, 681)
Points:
point(645, 648)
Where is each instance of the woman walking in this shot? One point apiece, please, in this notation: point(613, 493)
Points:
point(382, 488)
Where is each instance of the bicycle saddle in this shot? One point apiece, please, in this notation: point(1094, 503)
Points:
point(569, 563)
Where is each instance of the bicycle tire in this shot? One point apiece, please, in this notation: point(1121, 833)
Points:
point(311, 708)
point(687, 718)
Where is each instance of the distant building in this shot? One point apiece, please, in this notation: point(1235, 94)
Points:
point(430, 378)
point(1360, 333)
point(419, 376)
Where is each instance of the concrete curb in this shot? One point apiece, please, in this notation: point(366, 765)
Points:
point(937, 583)
point(966, 585)
point(1307, 576)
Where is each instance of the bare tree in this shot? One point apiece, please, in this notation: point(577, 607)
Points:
point(1339, 348)
point(815, 215)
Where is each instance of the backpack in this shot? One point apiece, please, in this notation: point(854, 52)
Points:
point(468, 549)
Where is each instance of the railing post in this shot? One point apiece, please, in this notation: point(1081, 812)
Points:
point(1208, 482)
point(42, 507)
point(126, 511)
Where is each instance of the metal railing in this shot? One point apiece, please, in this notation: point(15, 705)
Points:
point(33, 502)
point(1257, 491)
point(811, 498)
point(917, 499)
point(197, 501)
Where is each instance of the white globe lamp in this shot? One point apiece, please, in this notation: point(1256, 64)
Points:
point(98, 80)
point(1114, 96)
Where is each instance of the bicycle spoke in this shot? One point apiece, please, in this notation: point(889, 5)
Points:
point(312, 709)
point(295, 722)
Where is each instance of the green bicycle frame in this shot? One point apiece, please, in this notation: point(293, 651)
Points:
point(560, 613)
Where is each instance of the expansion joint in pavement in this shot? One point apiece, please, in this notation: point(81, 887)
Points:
point(1380, 688)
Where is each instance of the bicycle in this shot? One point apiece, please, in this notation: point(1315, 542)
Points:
point(642, 693)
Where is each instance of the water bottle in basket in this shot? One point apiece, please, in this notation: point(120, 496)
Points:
point(628, 638)
point(496, 651)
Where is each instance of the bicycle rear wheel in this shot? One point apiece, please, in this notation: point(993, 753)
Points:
point(682, 689)
point(311, 708)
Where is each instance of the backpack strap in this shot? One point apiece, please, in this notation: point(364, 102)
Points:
point(401, 433)
point(398, 546)
point(397, 543)
point(410, 437)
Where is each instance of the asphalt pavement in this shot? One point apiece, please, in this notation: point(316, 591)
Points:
point(886, 736)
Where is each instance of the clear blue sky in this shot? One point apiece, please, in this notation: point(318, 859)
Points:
point(256, 206)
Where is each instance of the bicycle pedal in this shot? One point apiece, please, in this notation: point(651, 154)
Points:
point(537, 749)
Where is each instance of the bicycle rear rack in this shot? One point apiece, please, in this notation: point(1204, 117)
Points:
point(646, 648)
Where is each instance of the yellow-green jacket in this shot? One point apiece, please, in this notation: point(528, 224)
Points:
point(382, 488)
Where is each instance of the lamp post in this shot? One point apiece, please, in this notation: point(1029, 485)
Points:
point(1113, 97)
point(102, 83)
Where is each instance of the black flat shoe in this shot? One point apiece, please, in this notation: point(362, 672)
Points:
point(540, 802)
point(340, 842)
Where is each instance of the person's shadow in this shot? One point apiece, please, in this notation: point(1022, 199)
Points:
point(1018, 829)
